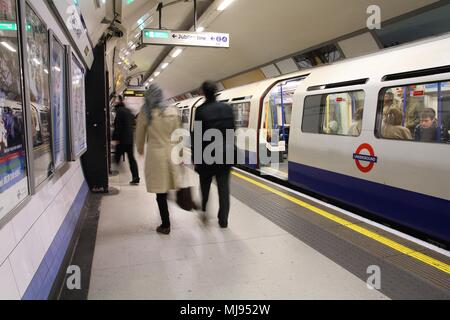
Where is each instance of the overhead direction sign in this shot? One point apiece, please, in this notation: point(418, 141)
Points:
point(185, 38)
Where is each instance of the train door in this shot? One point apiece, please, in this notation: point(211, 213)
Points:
point(275, 128)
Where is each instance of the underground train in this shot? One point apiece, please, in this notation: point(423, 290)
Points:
point(335, 134)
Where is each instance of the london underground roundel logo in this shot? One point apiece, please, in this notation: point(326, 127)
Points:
point(365, 161)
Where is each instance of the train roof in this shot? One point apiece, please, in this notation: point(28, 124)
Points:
point(424, 54)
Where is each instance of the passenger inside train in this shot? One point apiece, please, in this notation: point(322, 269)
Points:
point(428, 130)
point(393, 129)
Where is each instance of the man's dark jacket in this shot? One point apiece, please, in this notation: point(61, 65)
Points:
point(123, 125)
point(220, 116)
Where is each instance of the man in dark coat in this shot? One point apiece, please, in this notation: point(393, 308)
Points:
point(428, 130)
point(213, 153)
point(124, 135)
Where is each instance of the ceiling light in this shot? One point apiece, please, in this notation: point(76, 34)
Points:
point(177, 53)
point(8, 46)
point(36, 61)
point(57, 69)
point(224, 5)
point(157, 73)
point(165, 65)
point(200, 29)
point(151, 80)
point(46, 71)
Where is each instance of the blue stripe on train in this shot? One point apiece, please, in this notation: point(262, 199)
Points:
point(417, 211)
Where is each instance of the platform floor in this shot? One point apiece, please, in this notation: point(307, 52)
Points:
point(255, 258)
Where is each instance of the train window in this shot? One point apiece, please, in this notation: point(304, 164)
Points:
point(419, 112)
point(241, 114)
point(186, 112)
point(13, 170)
point(334, 114)
point(38, 65)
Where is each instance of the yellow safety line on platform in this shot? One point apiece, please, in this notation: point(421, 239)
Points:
point(370, 234)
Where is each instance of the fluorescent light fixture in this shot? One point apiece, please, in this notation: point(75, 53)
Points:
point(151, 80)
point(36, 61)
point(177, 53)
point(157, 73)
point(119, 63)
point(224, 5)
point(46, 71)
point(165, 65)
point(200, 29)
point(57, 69)
point(8, 46)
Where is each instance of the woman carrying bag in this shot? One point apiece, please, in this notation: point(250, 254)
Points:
point(155, 126)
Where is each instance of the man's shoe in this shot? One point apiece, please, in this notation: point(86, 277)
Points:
point(163, 230)
point(223, 225)
point(135, 182)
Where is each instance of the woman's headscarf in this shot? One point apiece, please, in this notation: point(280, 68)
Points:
point(154, 99)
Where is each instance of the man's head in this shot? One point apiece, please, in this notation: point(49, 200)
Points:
point(394, 117)
point(209, 90)
point(427, 118)
point(388, 98)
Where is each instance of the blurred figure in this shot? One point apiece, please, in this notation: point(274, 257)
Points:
point(413, 111)
point(123, 135)
point(219, 116)
point(393, 128)
point(155, 125)
point(389, 103)
point(355, 129)
point(428, 130)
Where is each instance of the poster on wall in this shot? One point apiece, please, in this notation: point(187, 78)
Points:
point(78, 110)
point(13, 171)
point(70, 12)
point(38, 66)
point(58, 101)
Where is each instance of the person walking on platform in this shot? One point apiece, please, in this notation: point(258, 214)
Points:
point(155, 126)
point(213, 115)
point(123, 134)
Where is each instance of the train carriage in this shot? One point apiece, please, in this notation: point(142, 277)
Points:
point(325, 126)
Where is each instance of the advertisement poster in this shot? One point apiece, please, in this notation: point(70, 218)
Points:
point(37, 44)
point(78, 111)
point(13, 173)
point(58, 102)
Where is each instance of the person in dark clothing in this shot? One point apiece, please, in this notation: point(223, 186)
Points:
point(124, 135)
point(220, 118)
point(428, 130)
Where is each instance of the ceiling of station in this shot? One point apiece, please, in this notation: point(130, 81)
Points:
point(260, 31)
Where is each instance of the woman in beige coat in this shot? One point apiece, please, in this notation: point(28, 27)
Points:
point(155, 126)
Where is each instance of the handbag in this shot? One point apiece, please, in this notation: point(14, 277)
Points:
point(184, 199)
point(184, 194)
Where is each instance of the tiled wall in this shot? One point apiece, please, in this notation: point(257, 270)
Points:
point(34, 242)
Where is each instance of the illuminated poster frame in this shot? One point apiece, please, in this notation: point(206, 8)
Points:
point(77, 106)
point(38, 94)
point(58, 102)
point(16, 185)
